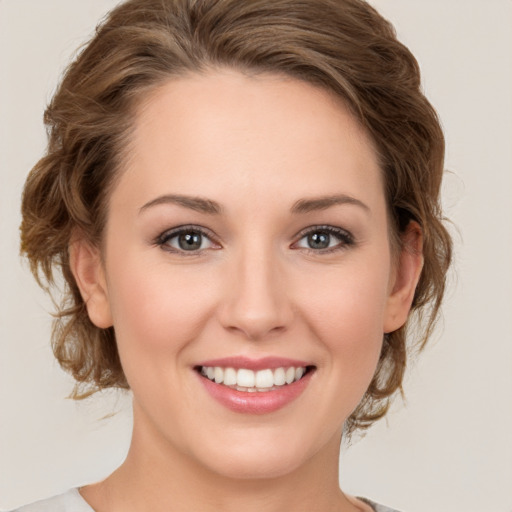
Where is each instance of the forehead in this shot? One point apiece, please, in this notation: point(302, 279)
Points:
point(225, 131)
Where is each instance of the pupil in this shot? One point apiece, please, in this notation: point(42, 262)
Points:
point(190, 241)
point(319, 240)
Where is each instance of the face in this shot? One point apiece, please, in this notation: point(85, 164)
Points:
point(247, 271)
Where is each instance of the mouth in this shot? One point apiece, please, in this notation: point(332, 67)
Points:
point(247, 380)
point(255, 386)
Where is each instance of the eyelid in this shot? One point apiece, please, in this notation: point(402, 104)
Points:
point(346, 238)
point(162, 239)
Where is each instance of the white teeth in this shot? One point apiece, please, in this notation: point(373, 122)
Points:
point(279, 377)
point(229, 376)
point(245, 378)
point(290, 375)
point(264, 379)
point(218, 374)
point(250, 381)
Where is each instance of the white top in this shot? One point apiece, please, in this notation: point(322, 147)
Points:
point(72, 501)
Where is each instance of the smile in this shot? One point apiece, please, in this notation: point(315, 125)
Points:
point(246, 380)
point(255, 386)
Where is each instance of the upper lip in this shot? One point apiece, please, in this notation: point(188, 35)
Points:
point(270, 362)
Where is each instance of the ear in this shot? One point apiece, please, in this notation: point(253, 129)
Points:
point(87, 268)
point(404, 278)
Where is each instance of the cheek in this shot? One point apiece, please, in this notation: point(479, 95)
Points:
point(345, 310)
point(349, 300)
point(156, 308)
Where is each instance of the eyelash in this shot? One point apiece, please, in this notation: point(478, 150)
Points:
point(345, 238)
point(163, 239)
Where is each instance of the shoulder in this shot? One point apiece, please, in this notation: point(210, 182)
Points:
point(377, 507)
point(70, 501)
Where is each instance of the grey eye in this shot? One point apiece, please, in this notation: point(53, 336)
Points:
point(319, 240)
point(190, 241)
point(325, 237)
point(186, 240)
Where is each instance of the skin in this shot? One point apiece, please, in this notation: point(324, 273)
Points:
point(255, 145)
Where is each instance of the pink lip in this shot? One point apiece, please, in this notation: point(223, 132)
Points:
point(263, 363)
point(258, 402)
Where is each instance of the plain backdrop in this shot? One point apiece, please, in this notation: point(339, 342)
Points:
point(449, 448)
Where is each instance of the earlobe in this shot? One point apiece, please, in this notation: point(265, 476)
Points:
point(87, 269)
point(405, 279)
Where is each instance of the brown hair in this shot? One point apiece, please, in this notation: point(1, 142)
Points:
point(344, 46)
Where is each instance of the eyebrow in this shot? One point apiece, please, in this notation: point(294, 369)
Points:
point(198, 204)
point(210, 207)
point(324, 202)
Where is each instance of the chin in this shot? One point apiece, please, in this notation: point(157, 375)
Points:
point(253, 466)
point(260, 455)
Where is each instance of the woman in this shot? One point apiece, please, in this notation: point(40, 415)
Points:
point(243, 200)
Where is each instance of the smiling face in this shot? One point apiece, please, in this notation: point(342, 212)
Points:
point(247, 235)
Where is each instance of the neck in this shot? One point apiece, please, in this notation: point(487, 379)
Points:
point(158, 477)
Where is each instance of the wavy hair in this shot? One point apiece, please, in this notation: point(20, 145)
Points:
point(343, 46)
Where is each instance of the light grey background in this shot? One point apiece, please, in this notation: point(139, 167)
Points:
point(450, 448)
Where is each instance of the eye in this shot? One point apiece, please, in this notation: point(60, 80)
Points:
point(324, 239)
point(189, 239)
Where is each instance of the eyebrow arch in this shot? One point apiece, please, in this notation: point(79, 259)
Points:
point(198, 204)
point(324, 202)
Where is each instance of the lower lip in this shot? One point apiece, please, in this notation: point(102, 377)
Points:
point(258, 402)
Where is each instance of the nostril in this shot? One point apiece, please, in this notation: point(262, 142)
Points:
point(255, 331)
point(255, 306)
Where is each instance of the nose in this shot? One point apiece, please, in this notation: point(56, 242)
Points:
point(255, 299)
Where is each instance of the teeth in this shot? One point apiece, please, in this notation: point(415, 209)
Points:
point(218, 375)
point(229, 377)
point(245, 378)
point(290, 375)
point(279, 377)
point(264, 379)
point(250, 381)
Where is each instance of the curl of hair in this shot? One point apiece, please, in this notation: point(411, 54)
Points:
point(343, 46)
